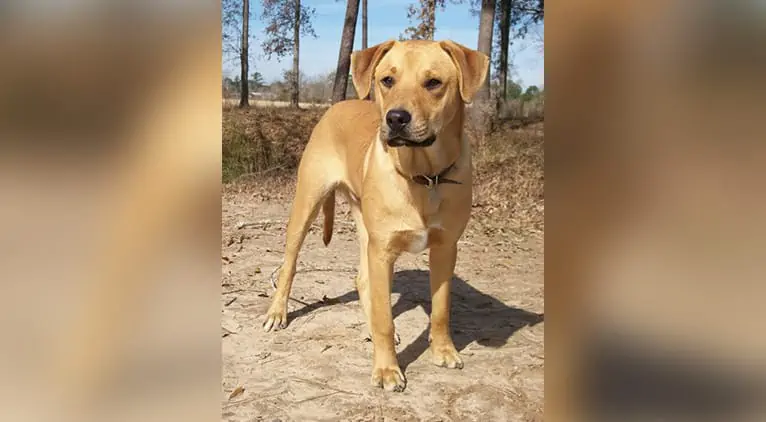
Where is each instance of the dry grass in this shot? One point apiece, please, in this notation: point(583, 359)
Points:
point(509, 177)
point(264, 141)
point(262, 147)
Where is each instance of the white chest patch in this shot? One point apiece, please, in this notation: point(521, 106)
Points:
point(419, 238)
point(419, 241)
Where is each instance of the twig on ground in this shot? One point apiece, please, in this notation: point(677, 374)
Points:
point(251, 399)
point(317, 397)
point(302, 302)
point(257, 224)
point(276, 358)
point(235, 291)
point(320, 385)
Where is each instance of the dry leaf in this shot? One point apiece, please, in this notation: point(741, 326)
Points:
point(237, 392)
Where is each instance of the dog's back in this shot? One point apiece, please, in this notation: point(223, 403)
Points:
point(348, 129)
point(342, 138)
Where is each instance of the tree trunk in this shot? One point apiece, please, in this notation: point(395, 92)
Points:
point(294, 100)
point(244, 92)
point(431, 19)
point(481, 106)
point(344, 55)
point(364, 35)
point(364, 24)
point(505, 31)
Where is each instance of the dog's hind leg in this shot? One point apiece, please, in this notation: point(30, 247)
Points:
point(314, 186)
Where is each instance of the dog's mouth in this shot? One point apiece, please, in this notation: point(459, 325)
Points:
point(399, 141)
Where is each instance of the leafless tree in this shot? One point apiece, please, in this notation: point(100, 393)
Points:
point(295, 97)
point(364, 24)
point(481, 107)
point(515, 20)
point(244, 92)
point(504, 25)
point(286, 21)
point(344, 55)
point(235, 40)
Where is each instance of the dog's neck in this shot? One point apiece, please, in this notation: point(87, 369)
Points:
point(431, 160)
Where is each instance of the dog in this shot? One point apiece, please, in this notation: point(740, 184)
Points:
point(403, 162)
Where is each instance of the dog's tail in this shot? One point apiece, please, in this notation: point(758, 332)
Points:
point(328, 209)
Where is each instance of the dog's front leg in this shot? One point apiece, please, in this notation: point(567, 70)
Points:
point(385, 370)
point(442, 263)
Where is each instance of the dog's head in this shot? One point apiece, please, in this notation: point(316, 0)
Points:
point(419, 86)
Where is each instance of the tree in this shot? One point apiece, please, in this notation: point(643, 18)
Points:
point(235, 39)
point(364, 24)
point(531, 92)
point(296, 97)
point(515, 18)
point(231, 26)
point(286, 21)
point(504, 25)
point(244, 94)
point(344, 55)
point(425, 14)
point(486, 25)
point(513, 90)
point(364, 36)
point(230, 86)
point(257, 81)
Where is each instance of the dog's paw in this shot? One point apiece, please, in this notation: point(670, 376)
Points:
point(389, 378)
point(276, 318)
point(446, 356)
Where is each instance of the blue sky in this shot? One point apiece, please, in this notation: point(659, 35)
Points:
point(386, 20)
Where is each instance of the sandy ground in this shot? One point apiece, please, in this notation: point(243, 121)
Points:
point(318, 368)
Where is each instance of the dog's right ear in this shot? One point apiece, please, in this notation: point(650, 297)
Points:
point(363, 63)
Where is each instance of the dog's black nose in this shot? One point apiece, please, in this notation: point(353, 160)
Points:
point(397, 119)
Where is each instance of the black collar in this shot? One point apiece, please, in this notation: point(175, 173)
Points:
point(432, 181)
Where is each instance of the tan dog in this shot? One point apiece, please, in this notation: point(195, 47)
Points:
point(408, 182)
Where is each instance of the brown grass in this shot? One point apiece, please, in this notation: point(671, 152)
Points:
point(262, 142)
point(262, 147)
point(509, 177)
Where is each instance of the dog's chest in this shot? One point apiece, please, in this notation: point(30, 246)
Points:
point(431, 201)
point(419, 239)
point(430, 233)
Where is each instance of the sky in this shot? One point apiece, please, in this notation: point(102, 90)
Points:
point(385, 20)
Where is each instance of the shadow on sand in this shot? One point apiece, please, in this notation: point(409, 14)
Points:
point(476, 316)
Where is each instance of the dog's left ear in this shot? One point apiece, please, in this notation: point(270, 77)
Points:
point(363, 64)
point(472, 67)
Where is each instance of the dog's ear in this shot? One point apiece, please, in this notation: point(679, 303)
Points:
point(472, 67)
point(363, 64)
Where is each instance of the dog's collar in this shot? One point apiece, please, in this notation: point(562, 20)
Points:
point(432, 181)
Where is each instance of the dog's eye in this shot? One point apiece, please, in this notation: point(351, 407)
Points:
point(433, 83)
point(388, 81)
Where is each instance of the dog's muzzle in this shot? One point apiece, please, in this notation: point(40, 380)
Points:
point(398, 141)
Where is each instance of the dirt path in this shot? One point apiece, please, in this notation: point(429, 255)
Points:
point(318, 368)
